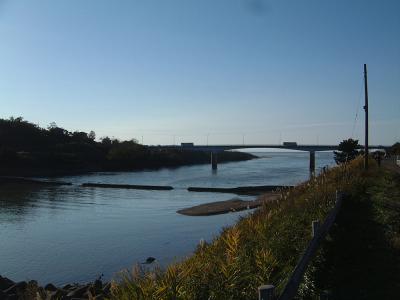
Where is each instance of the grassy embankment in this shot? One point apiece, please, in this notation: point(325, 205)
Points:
point(260, 249)
point(361, 257)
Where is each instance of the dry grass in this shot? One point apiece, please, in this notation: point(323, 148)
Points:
point(260, 249)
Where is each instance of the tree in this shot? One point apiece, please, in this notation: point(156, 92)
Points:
point(52, 125)
point(395, 149)
point(106, 141)
point(58, 134)
point(127, 153)
point(347, 151)
point(80, 137)
point(92, 135)
point(17, 120)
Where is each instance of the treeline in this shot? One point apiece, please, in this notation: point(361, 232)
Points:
point(395, 149)
point(27, 149)
point(349, 149)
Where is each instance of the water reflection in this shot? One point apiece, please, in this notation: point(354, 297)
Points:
point(68, 233)
point(16, 200)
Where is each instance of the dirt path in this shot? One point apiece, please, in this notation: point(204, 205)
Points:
point(361, 258)
point(390, 164)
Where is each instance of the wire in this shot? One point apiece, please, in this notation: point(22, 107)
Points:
point(358, 108)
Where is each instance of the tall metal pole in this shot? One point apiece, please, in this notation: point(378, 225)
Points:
point(366, 118)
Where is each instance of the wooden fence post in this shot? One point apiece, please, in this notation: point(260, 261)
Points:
point(315, 228)
point(266, 292)
point(318, 234)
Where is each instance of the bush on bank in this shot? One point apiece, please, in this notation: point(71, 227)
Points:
point(262, 248)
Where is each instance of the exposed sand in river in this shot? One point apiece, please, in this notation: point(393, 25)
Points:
point(222, 207)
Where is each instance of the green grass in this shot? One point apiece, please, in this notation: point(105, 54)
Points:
point(262, 248)
point(361, 257)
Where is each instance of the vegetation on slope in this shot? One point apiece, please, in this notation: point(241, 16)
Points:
point(262, 248)
point(27, 149)
point(361, 257)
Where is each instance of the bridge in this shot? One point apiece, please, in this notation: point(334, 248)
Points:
point(214, 149)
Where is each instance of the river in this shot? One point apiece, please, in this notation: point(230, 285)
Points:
point(71, 234)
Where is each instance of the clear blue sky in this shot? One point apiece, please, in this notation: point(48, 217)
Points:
point(268, 71)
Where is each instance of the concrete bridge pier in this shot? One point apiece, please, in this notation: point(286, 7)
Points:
point(214, 160)
point(312, 162)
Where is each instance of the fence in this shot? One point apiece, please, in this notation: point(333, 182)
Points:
point(267, 292)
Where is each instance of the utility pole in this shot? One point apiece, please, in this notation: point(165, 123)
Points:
point(366, 118)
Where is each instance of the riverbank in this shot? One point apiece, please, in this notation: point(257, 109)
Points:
point(29, 290)
point(361, 259)
point(262, 248)
point(112, 215)
point(30, 181)
point(28, 150)
point(32, 167)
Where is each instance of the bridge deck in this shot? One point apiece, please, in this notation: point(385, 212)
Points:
point(217, 148)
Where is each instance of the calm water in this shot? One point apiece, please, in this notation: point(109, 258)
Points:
point(73, 234)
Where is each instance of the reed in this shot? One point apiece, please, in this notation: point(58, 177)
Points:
point(261, 248)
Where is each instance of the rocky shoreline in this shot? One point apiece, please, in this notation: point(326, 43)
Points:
point(10, 290)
